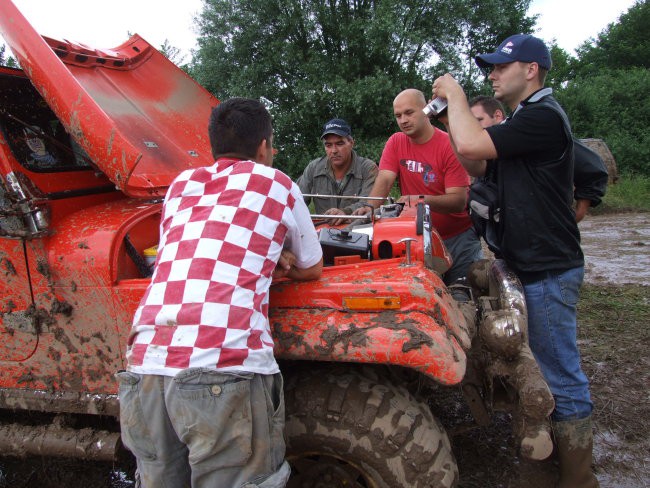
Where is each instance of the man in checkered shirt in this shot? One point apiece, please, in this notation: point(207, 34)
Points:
point(202, 399)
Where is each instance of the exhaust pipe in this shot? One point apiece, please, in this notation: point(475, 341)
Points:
point(56, 441)
point(504, 331)
point(507, 287)
point(503, 323)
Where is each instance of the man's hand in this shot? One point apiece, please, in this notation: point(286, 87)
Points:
point(582, 205)
point(365, 210)
point(446, 86)
point(472, 144)
point(286, 261)
point(339, 221)
point(408, 199)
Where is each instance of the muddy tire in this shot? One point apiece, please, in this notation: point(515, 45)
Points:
point(347, 427)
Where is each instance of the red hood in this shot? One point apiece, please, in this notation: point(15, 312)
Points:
point(140, 118)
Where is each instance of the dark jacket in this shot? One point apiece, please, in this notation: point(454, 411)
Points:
point(318, 178)
point(589, 174)
point(537, 229)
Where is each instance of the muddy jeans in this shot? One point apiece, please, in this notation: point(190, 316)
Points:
point(204, 428)
point(465, 248)
point(551, 299)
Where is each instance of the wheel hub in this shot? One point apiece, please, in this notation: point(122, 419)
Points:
point(315, 471)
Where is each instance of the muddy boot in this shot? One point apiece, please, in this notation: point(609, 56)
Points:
point(574, 441)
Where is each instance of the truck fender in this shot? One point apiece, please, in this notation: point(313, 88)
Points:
point(412, 339)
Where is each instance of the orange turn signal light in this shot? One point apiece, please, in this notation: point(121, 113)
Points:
point(371, 303)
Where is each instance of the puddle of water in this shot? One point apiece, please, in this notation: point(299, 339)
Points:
point(618, 468)
point(616, 248)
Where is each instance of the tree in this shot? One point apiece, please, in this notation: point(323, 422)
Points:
point(483, 26)
point(172, 53)
point(606, 95)
point(614, 106)
point(7, 60)
point(623, 44)
point(563, 68)
point(312, 60)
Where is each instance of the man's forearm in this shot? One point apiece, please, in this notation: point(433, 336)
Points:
point(473, 167)
point(472, 142)
point(306, 274)
point(582, 205)
point(444, 204)
point(468, 136)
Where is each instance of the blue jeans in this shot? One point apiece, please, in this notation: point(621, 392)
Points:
point(551, 299)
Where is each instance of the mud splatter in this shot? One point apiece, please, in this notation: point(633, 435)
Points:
point(616, 248)
point(43, 268)
point(9, 268)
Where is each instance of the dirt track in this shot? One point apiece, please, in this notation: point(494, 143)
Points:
point(617, 249)
point(614, 341)
point(614, 337)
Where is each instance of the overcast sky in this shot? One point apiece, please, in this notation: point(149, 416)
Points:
point(105, 23)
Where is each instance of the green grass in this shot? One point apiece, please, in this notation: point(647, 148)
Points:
point(615, 316)
point(628, 194)
point(614, 335)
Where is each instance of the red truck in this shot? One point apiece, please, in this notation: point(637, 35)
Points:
point(89, 141)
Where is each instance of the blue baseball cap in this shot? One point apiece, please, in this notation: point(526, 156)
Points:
point(520, 47)
point(337, 126)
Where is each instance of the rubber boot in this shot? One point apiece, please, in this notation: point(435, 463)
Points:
point(574, 440)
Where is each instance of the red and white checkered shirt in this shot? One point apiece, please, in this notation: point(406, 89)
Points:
point(222, 230)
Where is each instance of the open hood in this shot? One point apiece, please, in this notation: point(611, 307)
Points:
point(141, 119)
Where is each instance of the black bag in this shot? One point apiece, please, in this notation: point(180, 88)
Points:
point(484, 210)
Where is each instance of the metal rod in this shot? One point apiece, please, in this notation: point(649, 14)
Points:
point(345, 217)
point(341, 197)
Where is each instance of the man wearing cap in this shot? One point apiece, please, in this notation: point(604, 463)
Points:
point(421, 156)
point(530, 156)
point(589, 173)
point(340, 172)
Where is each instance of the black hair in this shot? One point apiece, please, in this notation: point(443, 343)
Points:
point(237, 126)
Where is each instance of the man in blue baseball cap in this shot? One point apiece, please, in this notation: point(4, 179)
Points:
point(520, 47)
point(341, 172)
point(530, 158)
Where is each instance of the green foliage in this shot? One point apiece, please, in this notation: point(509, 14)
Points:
point(624, 44)
point(605, 89)
point(7, 60)
point(629, 194)
point(562, 70)
point(614, 317)
point(311, 60)
point(483, 25)
point(614, 106)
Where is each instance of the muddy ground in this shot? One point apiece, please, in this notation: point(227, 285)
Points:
point(614, 338)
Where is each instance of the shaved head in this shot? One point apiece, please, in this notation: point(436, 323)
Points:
point(414, 96)
point(412, 121)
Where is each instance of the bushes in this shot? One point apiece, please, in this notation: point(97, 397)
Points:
point(614, 106)
point(630, 194)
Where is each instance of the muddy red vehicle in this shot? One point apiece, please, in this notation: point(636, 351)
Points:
point(89, 141)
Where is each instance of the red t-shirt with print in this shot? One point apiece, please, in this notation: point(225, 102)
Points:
point(428, 169)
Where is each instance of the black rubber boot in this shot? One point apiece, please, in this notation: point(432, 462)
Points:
point(574, 440)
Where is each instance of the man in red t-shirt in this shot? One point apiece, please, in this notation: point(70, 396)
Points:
point(422, 158)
